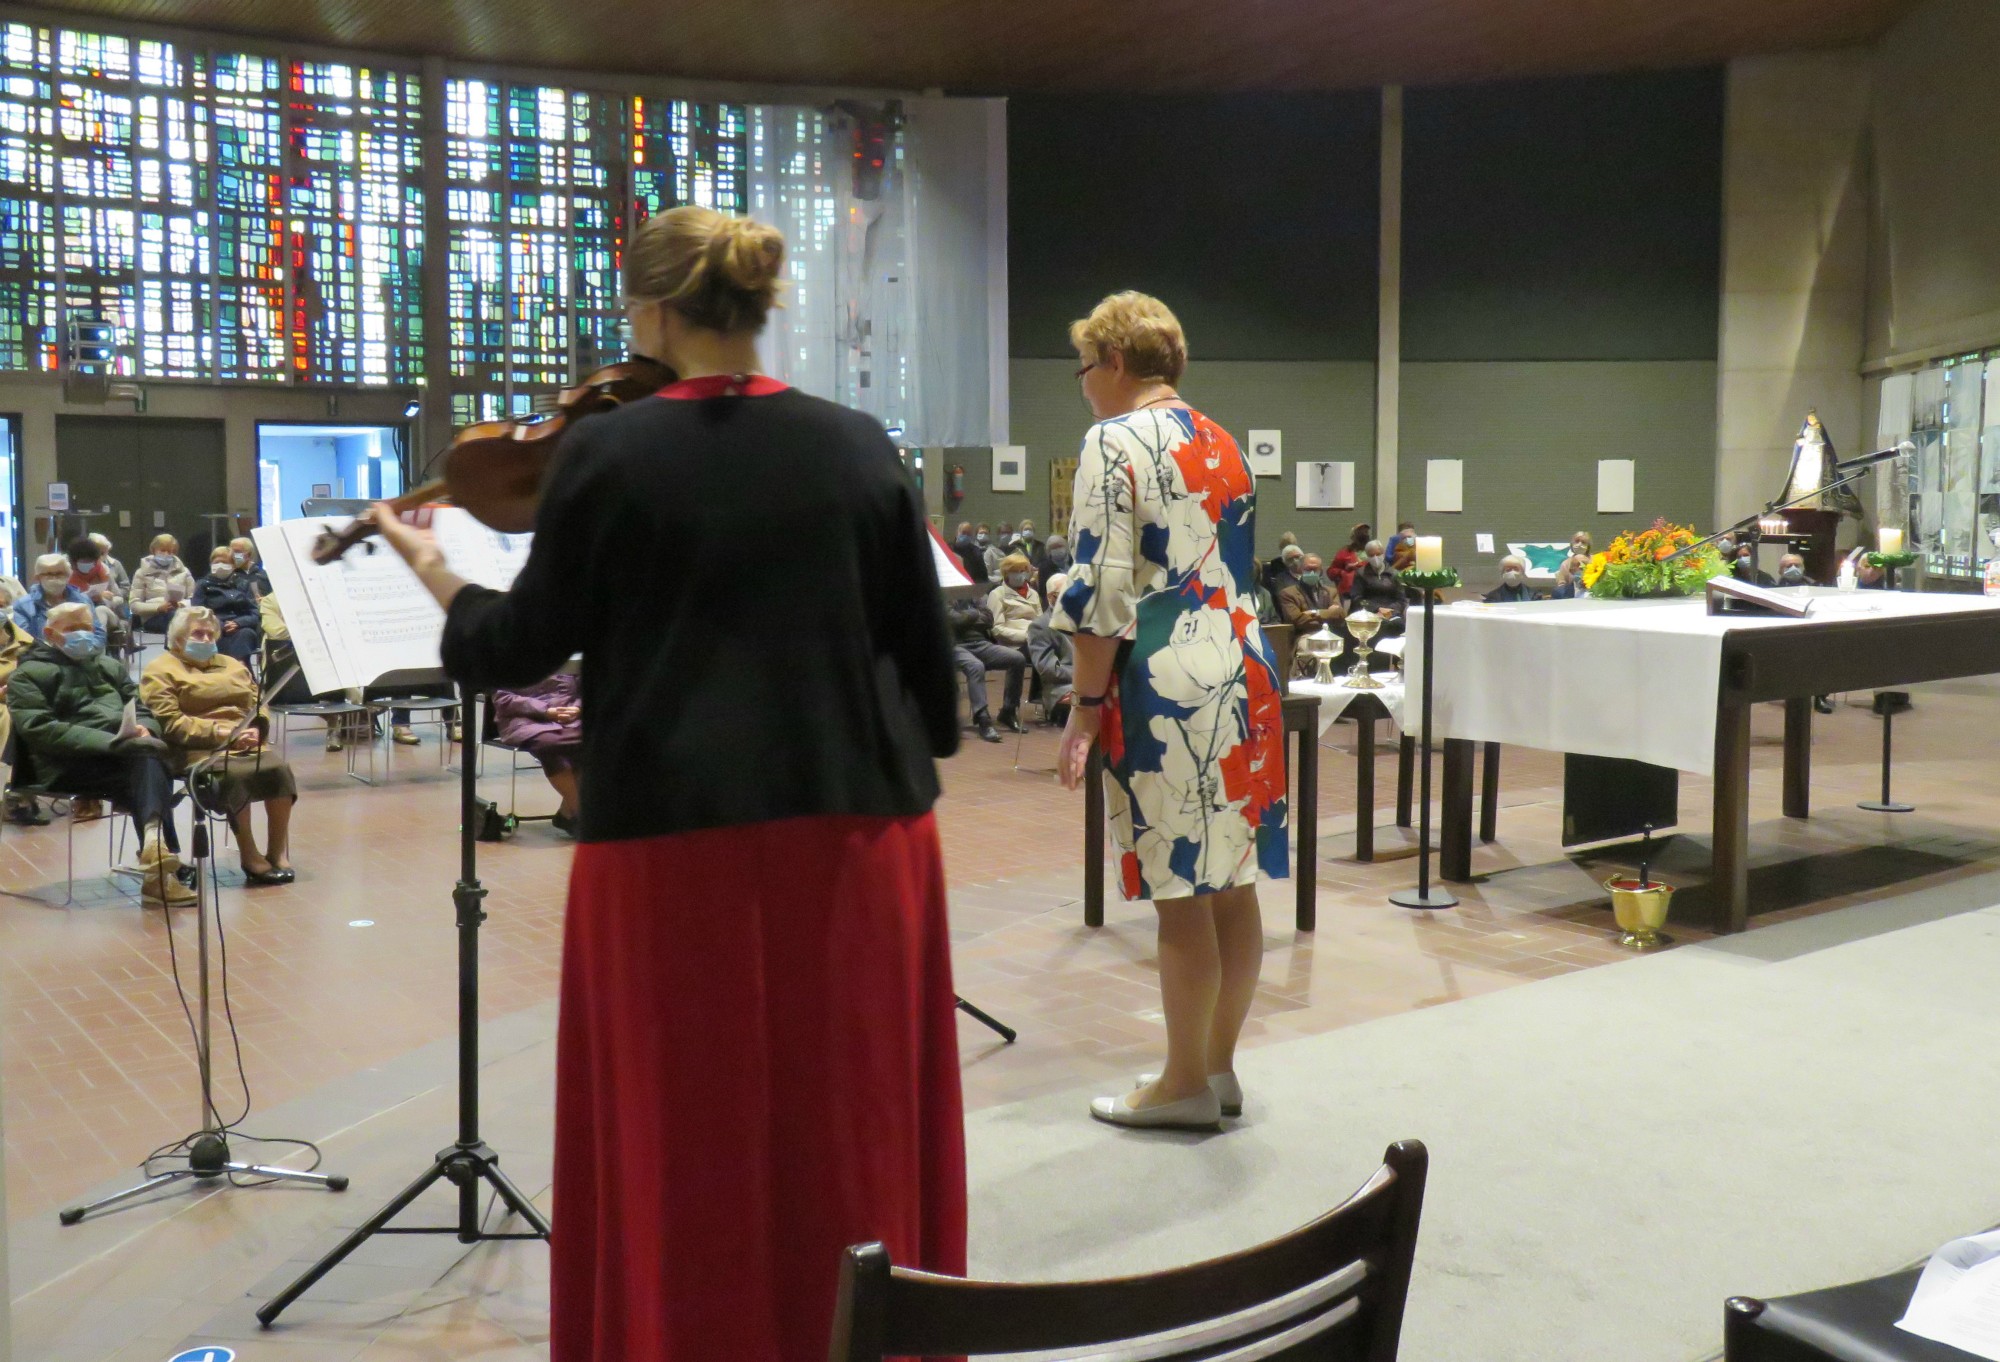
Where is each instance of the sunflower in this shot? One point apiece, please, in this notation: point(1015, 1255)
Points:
point(1594, 569)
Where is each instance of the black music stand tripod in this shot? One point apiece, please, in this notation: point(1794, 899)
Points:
point(467, 1162)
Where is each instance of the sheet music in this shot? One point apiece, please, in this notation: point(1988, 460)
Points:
point(354, 620)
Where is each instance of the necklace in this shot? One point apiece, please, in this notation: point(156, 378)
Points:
point(1170, 397)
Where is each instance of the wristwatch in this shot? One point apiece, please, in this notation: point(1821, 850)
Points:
point(1088, 701)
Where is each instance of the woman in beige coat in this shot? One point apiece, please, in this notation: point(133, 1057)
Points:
point(161, 586)
point(1014, 603)
point(200, 696)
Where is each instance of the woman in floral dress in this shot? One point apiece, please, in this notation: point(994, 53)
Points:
point(1175, 680)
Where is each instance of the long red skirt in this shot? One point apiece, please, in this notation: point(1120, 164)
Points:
point(757, 1065)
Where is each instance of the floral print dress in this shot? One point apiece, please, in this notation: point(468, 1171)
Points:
point(1193, 728)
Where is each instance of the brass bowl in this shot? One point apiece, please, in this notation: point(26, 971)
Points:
point(1640, 911)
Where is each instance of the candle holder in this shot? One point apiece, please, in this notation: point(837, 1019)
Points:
point(1424, 896)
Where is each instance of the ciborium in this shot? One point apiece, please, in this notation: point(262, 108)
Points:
point(1320, 647)
point(1363, 624)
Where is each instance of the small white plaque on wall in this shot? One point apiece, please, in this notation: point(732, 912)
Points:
point(1614, 486)
point(1010, 468)
point(1266, 453)
point(1485, 543)
point(1325, 487)
point(1444, 484)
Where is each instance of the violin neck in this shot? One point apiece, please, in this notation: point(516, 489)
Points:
point(418, 497)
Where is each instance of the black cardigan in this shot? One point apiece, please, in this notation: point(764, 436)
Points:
point(724, 681)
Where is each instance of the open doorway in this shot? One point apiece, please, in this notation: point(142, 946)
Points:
point(296, 463)
point(10, 487)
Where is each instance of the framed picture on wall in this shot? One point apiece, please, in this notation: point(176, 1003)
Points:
point(1325, 486)
point(1266, 453)
point(1010, 468)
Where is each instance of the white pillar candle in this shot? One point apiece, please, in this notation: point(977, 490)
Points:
point(1891, 540)
point(1430, 553)
point(1847, 577)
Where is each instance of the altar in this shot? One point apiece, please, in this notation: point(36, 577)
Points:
point(1665, 682)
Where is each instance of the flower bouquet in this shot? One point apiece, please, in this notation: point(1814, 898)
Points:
point(1643, 564)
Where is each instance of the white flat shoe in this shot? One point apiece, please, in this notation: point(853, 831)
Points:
point(1227, 1090)
point(1200, 1112)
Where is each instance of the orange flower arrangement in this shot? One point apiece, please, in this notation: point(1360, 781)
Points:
point(1642, 563)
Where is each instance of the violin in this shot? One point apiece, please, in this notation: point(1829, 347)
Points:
point(495, 470)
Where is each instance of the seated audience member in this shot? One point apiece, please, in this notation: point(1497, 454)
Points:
point(1309, 602)
point(199, 697)
point(68, 700)
point(994, 548)
point(1569, 577)
point(233, 602)
point(1266, 605)
point(974, 650)
point(1014, 604)
point(1792, 571)
point(1513, 582)
point(1402, 546)
point(1055, 561)
point(1746, 567)
point(1378, 588)
point(1277, 567)
point(1291, 568)
point(545, 720)
point(51, 589)
point(1340, 572)
point(161, 586)
point(14, 645)
point(120, 578)
point(1579, 545)
point(969, 552)
point(89, 575)
point(243, 554)
point(1025, 543)
point(1053, 656)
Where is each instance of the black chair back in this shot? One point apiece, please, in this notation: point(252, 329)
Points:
point(1333, 1289)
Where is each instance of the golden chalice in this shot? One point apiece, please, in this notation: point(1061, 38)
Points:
point(1363, 624)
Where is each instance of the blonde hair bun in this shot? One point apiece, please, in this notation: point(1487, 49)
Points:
point(717, 271)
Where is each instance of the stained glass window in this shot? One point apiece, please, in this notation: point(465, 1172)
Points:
point(235, 216)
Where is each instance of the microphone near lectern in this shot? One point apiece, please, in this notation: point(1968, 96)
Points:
point(1904, 450)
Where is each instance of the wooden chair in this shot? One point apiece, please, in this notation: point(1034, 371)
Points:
point(1332, 1289)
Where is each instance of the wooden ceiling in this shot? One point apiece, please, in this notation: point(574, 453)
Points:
point(1049, 45)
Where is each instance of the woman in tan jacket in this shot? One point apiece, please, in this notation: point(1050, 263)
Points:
point(199, 697)
point(1014, 603)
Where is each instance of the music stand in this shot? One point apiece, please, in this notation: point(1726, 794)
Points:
point(468, 1161)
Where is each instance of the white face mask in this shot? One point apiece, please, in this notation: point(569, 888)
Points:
point(163, 560)
point(221, 571)
point(1377, 561)
point(53, 586)
point(1510, 577)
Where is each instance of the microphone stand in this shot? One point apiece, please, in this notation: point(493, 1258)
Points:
point(208, 1149)
point(468, 1161)
point(1772, 508)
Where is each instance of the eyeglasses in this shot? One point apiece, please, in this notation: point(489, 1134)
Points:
point(1085, 369)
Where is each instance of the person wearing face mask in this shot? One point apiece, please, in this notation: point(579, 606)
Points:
point(161, 586)
point(200, 697)
point(996, 548)
point(1792, 571)
point(1015, 603)
point(1309, 602)
point(1025, 543)
point(51, 588)
point(68, 700)
point(1402, 547)
point(89, 575)
point(15, 642)
point(243, 554)
point(970, 552)
point(1054, 561)
point(234, 602)
point(982, 541)
point(1377, 588)
point(1052, 655)
point(1291, 570)
point(1278, 569)
point(121, 580)
point(1340, 571)
point(1513, 583)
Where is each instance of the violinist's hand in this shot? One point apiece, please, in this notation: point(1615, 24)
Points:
point(1079, 736)
point(416, 547)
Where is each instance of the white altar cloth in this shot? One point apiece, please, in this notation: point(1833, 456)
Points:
point(1635, 679)
point(1334, 699)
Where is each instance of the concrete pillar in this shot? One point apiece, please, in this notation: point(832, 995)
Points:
point(1389, 315)
point(1794, 265)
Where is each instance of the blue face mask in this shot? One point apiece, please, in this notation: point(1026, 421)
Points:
point(82, 645)
point(199, 651)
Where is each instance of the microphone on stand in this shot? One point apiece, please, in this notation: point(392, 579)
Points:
point(1904, 450)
